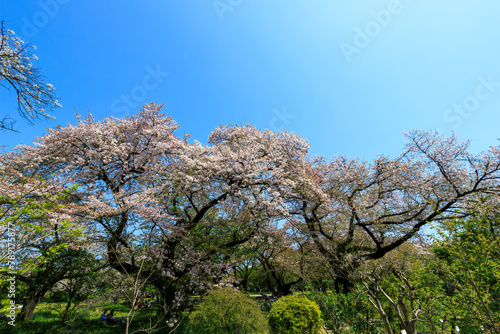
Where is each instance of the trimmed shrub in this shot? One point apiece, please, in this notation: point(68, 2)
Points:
point(295, 314)
point(228, 311)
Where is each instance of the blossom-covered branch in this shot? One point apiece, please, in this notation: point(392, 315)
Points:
point(35, 98)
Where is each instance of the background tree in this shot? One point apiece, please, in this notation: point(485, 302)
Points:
point(39, 218)
point(355, 211)
point(80, 281)
point(35, 98)
point(282, 261)
point(402, 292)
point(243, 265)
point(469, 271)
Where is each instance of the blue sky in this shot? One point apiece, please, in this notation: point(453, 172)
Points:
point(349, 76)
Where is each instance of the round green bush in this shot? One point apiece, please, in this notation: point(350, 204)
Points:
point(295, 314)
point(228, 311)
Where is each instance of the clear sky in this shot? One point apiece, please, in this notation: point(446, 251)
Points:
point(350, 76)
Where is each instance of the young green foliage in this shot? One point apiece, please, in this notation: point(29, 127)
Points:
point(228, 311)
point(295, 314)
point(469, 254)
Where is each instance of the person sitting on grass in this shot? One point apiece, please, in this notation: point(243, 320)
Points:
point(111, 317)
point(103, 316)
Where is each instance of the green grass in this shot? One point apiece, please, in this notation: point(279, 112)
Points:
point(85, 319)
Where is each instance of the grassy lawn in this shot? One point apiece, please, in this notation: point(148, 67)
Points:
point(85, 319)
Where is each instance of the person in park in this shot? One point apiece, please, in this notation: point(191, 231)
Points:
point(103, 317)
point(111, 317)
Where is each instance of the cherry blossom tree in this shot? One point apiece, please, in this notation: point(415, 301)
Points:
point(171, 212)
point(354, 210)
point(188, 203)
point(39, 225)
point(35, 99)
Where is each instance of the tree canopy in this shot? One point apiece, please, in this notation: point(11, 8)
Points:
point(182, 216)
